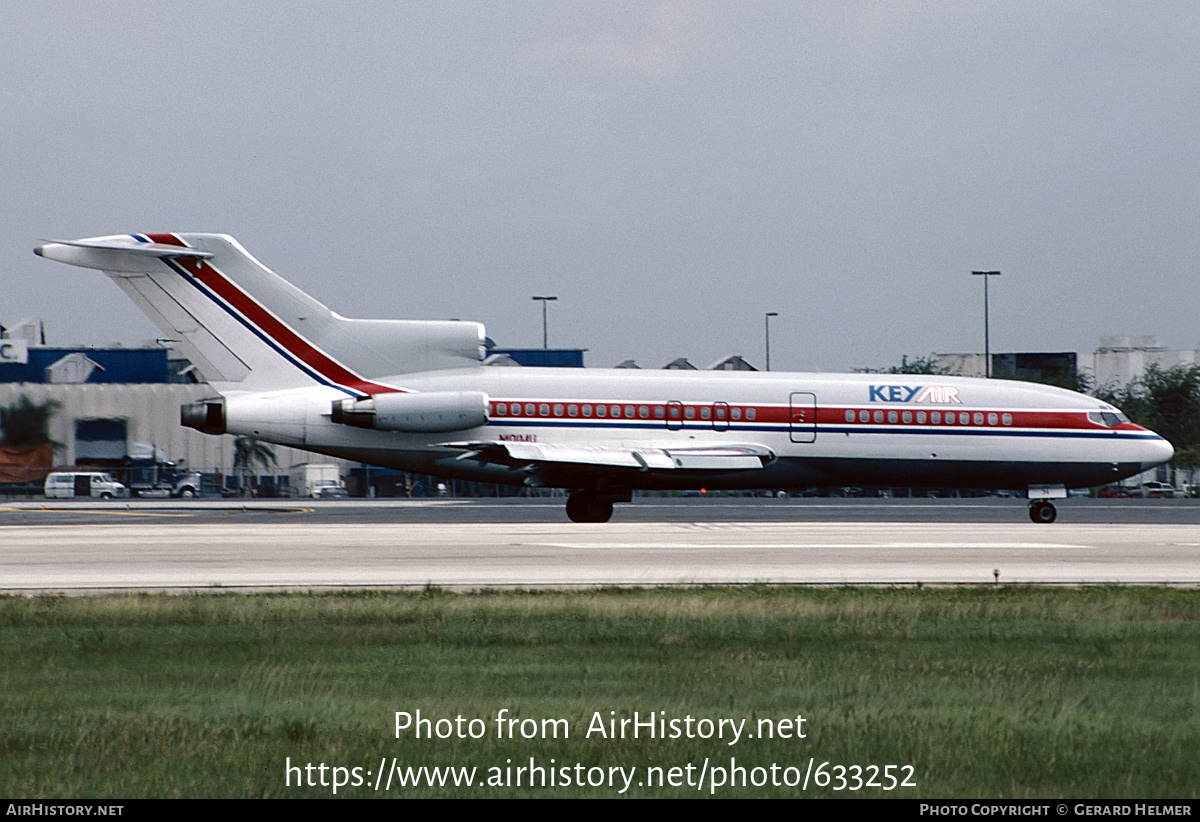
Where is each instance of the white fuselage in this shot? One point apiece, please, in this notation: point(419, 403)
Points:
point(823, 429)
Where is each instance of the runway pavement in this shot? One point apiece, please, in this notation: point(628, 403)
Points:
point(82, 547)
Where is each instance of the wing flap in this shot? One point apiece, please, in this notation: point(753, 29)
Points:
point(741, 457)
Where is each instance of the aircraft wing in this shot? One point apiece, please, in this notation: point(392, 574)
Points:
point(741, 457)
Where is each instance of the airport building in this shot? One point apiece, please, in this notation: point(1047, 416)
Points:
point(1121, 360)
point(114, 405)
point(1056, 368)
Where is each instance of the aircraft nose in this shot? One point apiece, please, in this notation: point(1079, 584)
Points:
point(1155, 452)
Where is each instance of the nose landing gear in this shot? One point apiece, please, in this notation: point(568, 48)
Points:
point(1042, 512)
point(1041, 509)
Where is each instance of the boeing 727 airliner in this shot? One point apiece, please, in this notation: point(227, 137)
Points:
point(415, 396)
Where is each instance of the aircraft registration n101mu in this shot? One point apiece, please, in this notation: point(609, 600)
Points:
point(414, 395)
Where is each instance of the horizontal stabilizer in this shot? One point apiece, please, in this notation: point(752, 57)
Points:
point(143, 249)
point(120, 254)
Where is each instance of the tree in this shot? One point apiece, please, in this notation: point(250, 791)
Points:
point(26, 450)
point(27, 423)
point(916, 365)
point(1167, 401)
point(247, 452)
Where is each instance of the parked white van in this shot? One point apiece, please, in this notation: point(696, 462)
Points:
point(83, 484)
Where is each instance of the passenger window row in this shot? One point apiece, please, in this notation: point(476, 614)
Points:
point(670, 411)
point(929, 418)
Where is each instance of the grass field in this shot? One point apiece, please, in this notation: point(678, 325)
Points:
point(986, 692)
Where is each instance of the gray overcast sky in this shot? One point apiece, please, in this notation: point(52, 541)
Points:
point(669, 170)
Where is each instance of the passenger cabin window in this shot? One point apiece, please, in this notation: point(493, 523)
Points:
point(501, 408)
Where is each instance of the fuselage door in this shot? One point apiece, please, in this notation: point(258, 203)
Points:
point(802, 418)
point(720, 418)
point(674, 415)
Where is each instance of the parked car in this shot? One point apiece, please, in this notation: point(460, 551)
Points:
point(1114, 492)
point(1159, 490)
point(66, 484)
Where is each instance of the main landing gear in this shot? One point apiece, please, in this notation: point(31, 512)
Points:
point(589, 506)
point(1042, 512)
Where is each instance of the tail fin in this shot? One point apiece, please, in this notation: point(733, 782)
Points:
point(248, 329)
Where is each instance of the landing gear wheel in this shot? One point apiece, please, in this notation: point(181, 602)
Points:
point(583, 506)
point(1042, 512)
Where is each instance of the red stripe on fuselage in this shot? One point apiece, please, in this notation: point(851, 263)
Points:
point(827, 416)
point(270, 325)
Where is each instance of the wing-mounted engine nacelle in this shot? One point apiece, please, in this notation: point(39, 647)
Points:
point(417, 412)
point(207, 417)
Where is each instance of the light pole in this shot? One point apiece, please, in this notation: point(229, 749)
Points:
point(987, 343)
point(544, 300)
point(767, 334)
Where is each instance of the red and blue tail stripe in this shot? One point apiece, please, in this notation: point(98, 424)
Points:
point(240, 305)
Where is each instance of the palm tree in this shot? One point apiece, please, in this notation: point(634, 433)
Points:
point(247, 452)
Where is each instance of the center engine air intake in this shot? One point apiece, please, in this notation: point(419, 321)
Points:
point(417, 412)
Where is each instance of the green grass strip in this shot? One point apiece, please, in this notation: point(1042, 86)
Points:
point(989, 693)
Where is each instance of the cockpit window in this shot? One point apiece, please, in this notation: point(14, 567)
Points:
point(1109, 419)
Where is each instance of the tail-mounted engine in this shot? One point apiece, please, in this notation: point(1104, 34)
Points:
point(417, 412)
point(207, 417)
